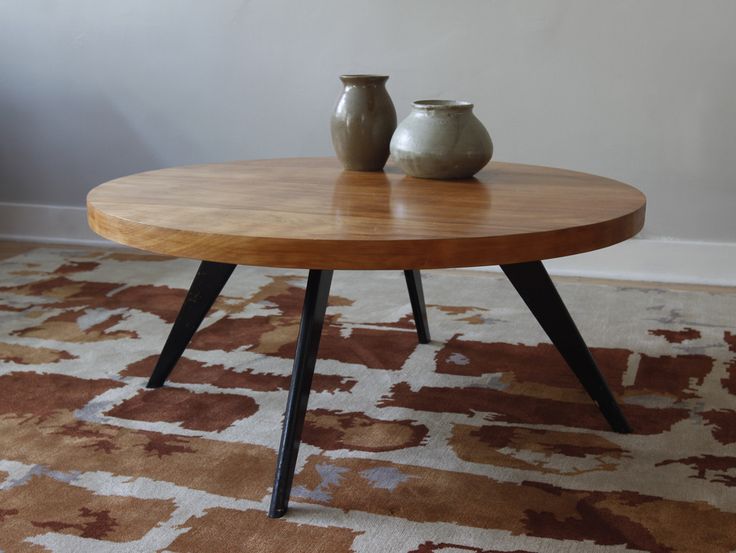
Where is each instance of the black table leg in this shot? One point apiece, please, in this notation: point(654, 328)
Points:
point(416, 296)
point(207, 285)
point(539, 293)
point(310, 330)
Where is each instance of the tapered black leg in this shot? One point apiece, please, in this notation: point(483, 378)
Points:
point(207, 285)
point(540, 295)
point(416, 296)
point(310, 329)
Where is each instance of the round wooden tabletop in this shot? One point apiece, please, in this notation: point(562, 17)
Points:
point(309, 213)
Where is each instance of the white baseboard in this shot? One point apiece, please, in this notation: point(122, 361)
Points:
point(54, 224)
point(647, 259)
point(654, 260)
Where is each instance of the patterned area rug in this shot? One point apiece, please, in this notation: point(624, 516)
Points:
point(479, 442)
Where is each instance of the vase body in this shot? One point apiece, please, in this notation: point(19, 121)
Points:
point(441, 139)
point(363, 123)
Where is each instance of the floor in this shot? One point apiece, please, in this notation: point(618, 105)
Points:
point(486, 414)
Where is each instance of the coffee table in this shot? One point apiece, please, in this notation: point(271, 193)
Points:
point(308, 213)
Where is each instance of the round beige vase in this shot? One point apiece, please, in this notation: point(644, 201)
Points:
point(363, 122)
point(441, 139)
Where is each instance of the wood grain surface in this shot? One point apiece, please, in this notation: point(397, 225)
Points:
point(309, 213)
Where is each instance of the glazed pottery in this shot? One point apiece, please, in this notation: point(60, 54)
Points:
point(363, 122)
point(441, 139)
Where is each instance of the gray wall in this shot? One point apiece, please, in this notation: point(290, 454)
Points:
point(642, 91)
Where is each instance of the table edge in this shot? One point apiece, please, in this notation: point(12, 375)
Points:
point(433, 253)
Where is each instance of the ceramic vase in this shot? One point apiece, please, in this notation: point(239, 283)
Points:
point(441, 139)
point(363, 123)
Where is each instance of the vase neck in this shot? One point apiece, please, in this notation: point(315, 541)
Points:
point(363, 80)
point(442, 106)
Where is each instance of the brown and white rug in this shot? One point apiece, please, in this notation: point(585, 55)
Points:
point(479, 442)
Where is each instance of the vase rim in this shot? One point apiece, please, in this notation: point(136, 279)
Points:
point(444, 105)
point(363, 79)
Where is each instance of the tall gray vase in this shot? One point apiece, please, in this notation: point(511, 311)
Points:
point(363, 122)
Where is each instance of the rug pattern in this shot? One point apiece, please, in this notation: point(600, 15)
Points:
point(481, 441)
